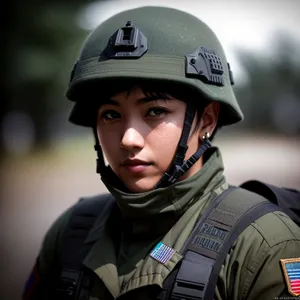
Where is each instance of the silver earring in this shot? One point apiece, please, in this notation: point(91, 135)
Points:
point(206, 136)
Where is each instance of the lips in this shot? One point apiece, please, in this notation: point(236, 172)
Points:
point(135, 162)
point(136, 166)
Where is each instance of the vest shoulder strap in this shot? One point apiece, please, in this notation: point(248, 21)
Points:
point(75, 282)
point(210, 241)
point(85, 213)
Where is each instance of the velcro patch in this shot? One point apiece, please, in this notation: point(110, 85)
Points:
point(291, 269)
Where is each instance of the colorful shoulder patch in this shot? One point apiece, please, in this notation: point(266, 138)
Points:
point(291, 269)
point(162, 253)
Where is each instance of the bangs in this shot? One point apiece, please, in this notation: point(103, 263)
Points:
point(161, 90)
point(164, 91)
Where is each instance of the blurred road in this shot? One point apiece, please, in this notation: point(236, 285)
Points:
point(36, 190)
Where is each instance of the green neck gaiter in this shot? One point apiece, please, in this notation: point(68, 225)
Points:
point(152, 214)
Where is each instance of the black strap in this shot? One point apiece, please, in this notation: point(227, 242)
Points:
point(75, 281)
point(74, 249)
point(182, 147)
point(213, 236)
point(248, 218)
point(180, 170)
point(172, 281)
point(169, 176)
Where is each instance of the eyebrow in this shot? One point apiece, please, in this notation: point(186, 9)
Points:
point(143, 100)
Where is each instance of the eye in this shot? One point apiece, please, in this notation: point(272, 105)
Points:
point(109, 115)
point(156, 111)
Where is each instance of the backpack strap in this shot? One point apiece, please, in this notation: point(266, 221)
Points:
point(75, 281)
point(211, 239)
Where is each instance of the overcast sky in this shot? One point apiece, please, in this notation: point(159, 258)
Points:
point(237, 23)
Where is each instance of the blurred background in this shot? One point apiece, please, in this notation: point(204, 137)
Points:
point(46, 164)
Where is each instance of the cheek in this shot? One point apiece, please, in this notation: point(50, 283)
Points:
point(164, 141)
point(193, 142)
point(109, 142)
point(193, 145)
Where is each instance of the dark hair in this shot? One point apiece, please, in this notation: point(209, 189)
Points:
point(165, 90)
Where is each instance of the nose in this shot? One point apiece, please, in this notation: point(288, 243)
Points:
point(132, 139)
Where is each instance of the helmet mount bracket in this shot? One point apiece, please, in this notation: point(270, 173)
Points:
point(127, 42)
point(205, 64)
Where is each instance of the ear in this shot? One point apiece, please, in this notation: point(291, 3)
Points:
point(209, 119)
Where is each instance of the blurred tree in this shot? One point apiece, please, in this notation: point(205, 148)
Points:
point(42, 40)
point(270, 98)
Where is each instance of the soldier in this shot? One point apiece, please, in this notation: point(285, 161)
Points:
point(154, 85)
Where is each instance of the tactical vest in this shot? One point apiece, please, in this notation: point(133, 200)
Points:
point(195, 277)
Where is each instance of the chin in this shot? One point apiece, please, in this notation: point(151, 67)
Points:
point(141, 186)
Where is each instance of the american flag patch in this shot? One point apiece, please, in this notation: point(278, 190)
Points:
point(162, 253)
point(291, 269)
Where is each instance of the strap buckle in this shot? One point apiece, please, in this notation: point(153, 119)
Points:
point(192, 278)
point(67, 284)
point(73, 285)
point(187, 290)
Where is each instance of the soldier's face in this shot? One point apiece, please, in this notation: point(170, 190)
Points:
point(139, 137)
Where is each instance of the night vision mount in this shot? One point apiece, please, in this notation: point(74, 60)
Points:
point(127, 42)
point(205, 64)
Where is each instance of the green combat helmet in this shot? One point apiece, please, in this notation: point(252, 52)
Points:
point(154, 44)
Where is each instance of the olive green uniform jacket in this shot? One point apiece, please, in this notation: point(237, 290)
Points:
point(124, 269)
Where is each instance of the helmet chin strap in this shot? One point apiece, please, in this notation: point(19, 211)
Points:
point(179, 166)
point(100, 163)
point(168, 179)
